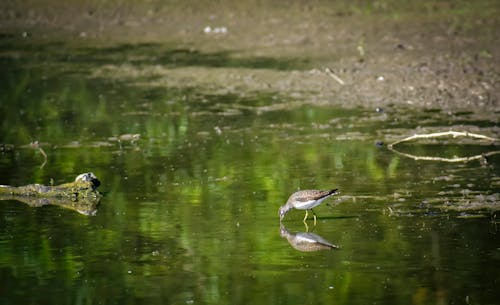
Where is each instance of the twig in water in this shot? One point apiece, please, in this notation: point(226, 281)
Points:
point(36, 145)
point(44, 156)
point(442, 134)
point(334, 76)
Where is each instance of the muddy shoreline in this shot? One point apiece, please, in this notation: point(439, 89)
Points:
point(433, 55)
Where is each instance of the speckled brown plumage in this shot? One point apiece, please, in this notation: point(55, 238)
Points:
point(305, 200)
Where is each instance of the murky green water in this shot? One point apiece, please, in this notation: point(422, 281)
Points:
point(189, 213)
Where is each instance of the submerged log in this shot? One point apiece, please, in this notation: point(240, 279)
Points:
point(80, 195)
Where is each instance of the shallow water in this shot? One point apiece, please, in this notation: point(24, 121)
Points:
point(192, 183)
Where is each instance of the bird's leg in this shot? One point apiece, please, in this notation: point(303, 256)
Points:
point(314, 215)
point(305, 217)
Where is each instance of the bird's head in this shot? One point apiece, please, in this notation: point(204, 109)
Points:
point(282, 212)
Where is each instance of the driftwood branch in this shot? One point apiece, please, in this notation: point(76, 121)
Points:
point(330, 73)
point(44, 156)
point(443, 134)
point(36, 145)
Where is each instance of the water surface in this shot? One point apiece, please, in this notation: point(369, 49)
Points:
point(192, 183)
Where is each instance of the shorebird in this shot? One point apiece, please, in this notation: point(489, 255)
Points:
point(305, 200)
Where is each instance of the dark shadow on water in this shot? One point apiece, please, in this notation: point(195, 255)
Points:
point(336, 217)
point(141, 54)
point(146, 54)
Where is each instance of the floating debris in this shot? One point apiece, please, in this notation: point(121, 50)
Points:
point(80, 195)
point(127, 137)
point(215, 30)
point(452, 133)
point(329, 72)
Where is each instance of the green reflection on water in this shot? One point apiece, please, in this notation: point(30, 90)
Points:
point(190, 208)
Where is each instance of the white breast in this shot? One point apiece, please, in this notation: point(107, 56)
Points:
point(306, 205)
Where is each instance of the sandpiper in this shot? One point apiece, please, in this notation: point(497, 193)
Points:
point(305, 200)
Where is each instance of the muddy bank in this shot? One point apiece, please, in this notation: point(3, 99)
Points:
point(373, 54)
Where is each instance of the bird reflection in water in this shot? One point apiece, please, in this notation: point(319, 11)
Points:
point(306, 241)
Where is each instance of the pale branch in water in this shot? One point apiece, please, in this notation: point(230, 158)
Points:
point(36, 145)
point(442, 134)
point(44, 156)
point(334, 76)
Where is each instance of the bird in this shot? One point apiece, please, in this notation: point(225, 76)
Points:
point(305, 200)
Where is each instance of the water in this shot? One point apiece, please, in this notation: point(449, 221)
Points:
point(190, 207)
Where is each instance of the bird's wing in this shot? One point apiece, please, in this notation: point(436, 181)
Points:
point(322, 194)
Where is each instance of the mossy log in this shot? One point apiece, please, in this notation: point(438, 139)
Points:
point(80, 195)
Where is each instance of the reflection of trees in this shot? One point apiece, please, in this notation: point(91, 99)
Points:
point(188, 208)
